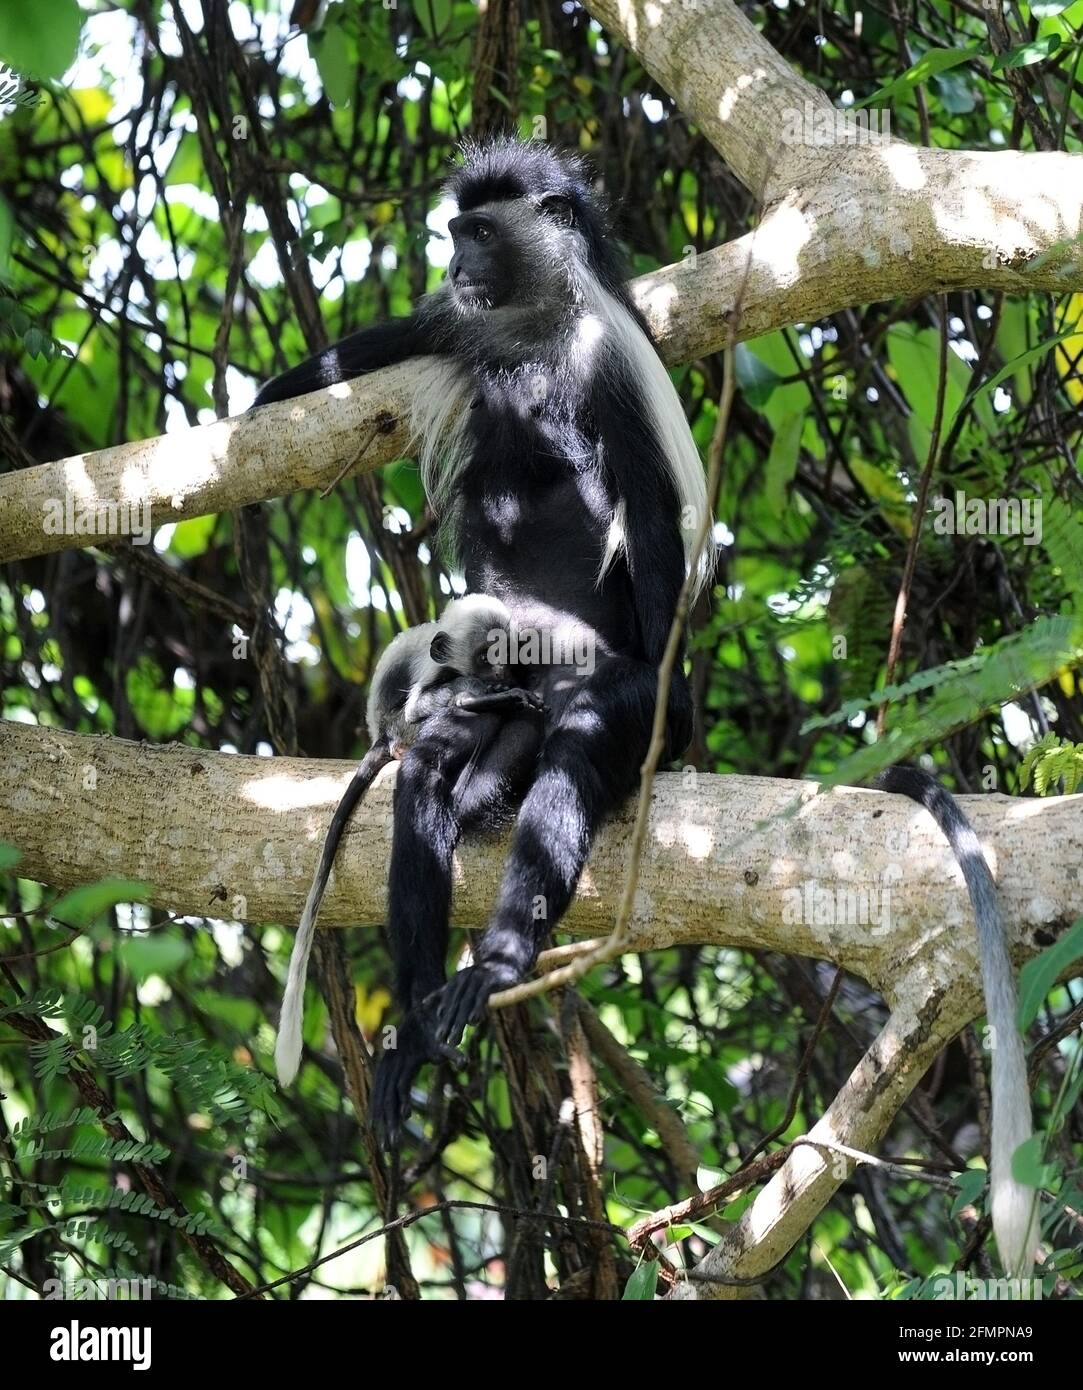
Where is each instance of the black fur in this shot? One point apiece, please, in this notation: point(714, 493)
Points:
point(544, 473)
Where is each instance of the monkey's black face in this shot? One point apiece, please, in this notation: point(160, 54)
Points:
point(513, 254)
point(482, 270)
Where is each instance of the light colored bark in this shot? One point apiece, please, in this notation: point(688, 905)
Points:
point(228, 836)
point(923, 1020)
point(841, 226)
point(733, 861)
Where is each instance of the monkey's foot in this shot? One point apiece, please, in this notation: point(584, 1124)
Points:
point(391, 1102)
point(464, 999)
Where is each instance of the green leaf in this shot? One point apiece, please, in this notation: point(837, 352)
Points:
point(38, 39)
point(35, 342)
point(915, 360)
point(7, 232)
point(643, 1282)
point(1023, 360)
point(433, 16)
point(1027, 53)
point(956, 94)
point(1027, 1165)
point(160, 953)
point(9, 857)
point(781, 463)
point(85, 905)
point(336, 57)
point(756, 380)
point(1039, 975)
point(192, 537)
point(936, 60)
point(161, 711)
point(970, 1184)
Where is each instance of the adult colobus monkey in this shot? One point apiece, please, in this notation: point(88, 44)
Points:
point(455, 663)
point(554, 447)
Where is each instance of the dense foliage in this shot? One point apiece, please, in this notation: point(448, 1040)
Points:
point(203, 194)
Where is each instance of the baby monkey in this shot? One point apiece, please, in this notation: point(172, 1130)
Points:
point(448, 664)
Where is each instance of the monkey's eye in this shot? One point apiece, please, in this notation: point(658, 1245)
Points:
point(482, 232)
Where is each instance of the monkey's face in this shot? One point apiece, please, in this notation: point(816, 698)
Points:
point(483, 268)
point(485, 650)
point(472, 645)
point(514, 254)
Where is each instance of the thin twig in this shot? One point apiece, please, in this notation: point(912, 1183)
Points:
point(802, 1071)
point(903, 598)
point(400, 1223)
point(352, 462)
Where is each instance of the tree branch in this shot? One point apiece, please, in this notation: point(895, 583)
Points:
point(729, 860)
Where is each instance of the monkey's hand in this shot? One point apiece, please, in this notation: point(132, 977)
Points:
point(391, 1102)
point(465, 998)
point(498, 700)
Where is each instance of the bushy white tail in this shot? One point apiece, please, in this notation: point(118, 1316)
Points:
point(291, 1017)
point(1013, 1205)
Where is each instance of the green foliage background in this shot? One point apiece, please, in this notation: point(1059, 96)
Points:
point(208, 195)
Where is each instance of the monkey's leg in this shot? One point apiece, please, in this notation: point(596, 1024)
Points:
point(589, 764)
point(426, 828)
point(490, 787)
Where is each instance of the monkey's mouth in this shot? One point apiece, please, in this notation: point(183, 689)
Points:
point(474, 292)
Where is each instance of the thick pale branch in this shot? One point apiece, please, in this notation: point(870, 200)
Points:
point(842, 226)
point(907, 223)
point(723, 74)
point(739, 861)
point(855, 877)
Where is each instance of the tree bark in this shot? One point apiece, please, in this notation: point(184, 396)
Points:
point(738, 861)
point(842, 225)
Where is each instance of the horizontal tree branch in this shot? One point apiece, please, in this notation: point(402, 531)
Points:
point(843, 225)
point(730, 860)
point(855, 877)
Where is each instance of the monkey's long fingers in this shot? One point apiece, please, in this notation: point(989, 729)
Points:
point(462, 1002)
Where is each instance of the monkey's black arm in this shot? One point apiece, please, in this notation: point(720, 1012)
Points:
point(365, 351)
point(513, 701)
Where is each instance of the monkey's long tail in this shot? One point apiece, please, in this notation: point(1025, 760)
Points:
point(291, 1018)
point(1014, 1205)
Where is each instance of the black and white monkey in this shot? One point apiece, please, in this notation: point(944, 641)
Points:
point(554, 448)
point(457, 662)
